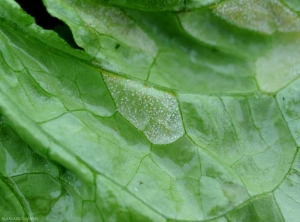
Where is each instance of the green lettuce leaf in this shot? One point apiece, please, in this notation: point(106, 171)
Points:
point(33, 188)
point(174, 111)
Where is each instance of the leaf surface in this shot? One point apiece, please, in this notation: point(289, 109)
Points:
point(177, 115)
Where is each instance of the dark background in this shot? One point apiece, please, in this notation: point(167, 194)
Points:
point(36, 9)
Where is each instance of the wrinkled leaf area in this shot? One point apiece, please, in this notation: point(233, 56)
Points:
point(35, 189)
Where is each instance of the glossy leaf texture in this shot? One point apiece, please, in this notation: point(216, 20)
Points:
point(174, 111)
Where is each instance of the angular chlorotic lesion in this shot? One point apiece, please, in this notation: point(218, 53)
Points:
point(264, 16)
point(154, 112)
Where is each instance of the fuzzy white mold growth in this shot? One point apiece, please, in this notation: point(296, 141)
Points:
point(265, 16)
point(152, 111)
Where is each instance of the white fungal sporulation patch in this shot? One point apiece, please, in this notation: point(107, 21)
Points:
point(266, 16)
point(152, 111)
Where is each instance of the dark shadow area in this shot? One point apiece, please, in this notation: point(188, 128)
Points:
point(36, 9)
